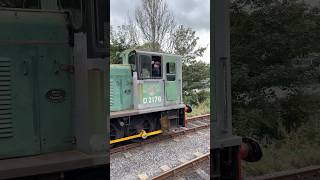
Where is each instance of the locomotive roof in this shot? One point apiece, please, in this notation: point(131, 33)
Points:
point(149, 52)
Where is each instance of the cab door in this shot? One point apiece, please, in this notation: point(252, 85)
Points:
point(149, 90)
point(172, 81)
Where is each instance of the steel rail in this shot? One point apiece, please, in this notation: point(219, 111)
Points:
point(183, 167)
point(196, 118)
point(310, 172)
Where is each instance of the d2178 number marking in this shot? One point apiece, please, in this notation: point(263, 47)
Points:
point(152, 99)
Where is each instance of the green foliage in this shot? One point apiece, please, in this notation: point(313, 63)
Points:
point(274, 100)
point(184, 42)
point(203, 96)
point(195, 74)
point(120, 40)
point(150, 47)
point(299, 149)
point(265, 37)
point(196, 98)
point(200, 109)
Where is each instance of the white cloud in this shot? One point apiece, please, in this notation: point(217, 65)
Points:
point(204, 41)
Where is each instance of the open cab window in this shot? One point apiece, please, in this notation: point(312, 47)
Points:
point(150, 67)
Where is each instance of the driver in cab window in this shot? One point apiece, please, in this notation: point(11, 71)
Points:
point(156, 72)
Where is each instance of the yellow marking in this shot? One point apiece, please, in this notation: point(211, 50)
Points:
point(142, 134)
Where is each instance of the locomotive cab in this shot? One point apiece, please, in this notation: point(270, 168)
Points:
point(155, 88)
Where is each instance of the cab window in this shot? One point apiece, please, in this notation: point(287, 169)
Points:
point(145, 67)
point(171, 71)
point(132, 62)
point(150, 67)
point(156, 67)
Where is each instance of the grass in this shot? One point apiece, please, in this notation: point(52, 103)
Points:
point(299, 149)
point(283, 158)
point(201, 109)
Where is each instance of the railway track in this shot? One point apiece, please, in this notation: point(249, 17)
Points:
point(153, 159)
point(309, 173)
point(191, 168)
point(201, 117)
point(193, 124)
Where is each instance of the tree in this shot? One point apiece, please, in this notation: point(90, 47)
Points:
point(121, 39)
point(155, 22)
point(265, 37)
point(184, 42)
point(195, 74)
point(150, 47)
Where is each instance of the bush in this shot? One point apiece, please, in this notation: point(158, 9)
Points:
point(201, 109)
point(196, 98)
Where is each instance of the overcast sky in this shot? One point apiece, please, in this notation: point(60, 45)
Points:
point(190, 13)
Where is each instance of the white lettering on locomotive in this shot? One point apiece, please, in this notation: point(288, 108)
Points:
point(145, 100)
point(152, 99)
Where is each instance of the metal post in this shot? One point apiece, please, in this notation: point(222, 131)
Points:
point(221, 66)
point(222, 139)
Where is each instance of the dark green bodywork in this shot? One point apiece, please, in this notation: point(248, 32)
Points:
point(33, 47)
point(53, 78)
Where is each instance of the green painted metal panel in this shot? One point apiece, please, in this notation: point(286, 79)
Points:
point(169, 58)
point(33, 45)
point(171, 91)
point(171, 86)
point(55, 117)
point(115, 96)
point(27, 28)
point(151, 93)
point(18, 123)
point(121, 92)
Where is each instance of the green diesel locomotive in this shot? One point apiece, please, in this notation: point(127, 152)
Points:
point(145, 95)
